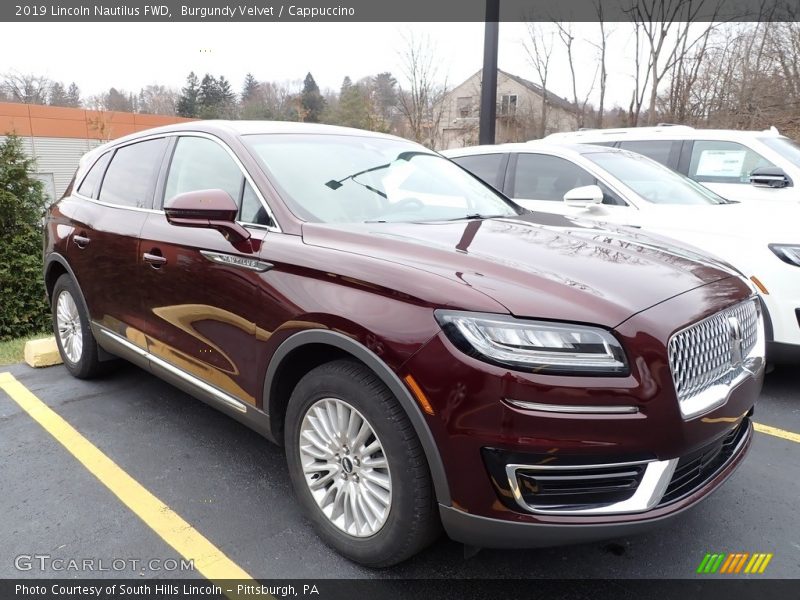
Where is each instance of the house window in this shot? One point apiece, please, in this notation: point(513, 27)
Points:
point(464, 105)
point(508, 105)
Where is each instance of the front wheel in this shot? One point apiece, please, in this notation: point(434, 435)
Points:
point(357, 466)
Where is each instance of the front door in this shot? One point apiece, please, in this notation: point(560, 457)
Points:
point(199, 293)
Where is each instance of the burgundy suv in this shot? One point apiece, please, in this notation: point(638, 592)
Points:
point(429, 353)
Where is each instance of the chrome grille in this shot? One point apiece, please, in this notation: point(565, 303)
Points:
point(703, 355)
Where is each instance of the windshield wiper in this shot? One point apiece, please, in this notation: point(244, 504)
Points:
point(475, 216)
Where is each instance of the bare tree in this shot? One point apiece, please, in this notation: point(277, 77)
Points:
point(157, 100)
point(539, 48)
point(602, 46)
point(422, 101)
point(568, 40)
point(667, 30)
point(25, 87)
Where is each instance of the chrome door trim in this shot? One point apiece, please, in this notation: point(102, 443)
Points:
point(225, 399)
point(239, 262)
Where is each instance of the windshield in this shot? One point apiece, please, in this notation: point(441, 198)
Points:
point(349, 179)
point(787, 148)
point(653, 181)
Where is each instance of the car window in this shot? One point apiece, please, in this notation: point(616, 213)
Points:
point(724, 162)
point(252, 211)
point(789, 149)
point(202, 164)
point(352, 178)
point(658, 150)
point(653, 181)
point(130, 178)
point(543, 177)
point(90, 185)
point(485, 166)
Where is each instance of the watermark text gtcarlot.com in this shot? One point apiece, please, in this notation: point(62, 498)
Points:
point(46, 563)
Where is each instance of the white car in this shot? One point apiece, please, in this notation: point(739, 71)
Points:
point(620, 187)
point(739, 165)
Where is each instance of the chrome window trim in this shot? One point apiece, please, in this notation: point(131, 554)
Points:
point(112, 147)
point(656, 478)
point(573, 409)
point(218, 394)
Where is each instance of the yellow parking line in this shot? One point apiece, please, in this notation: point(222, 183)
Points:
point(781, 433)
point(209, 560)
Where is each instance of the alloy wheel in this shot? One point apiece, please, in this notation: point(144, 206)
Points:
point(345, 467)
point(68, 322)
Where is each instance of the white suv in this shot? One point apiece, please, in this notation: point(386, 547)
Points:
point(738, 165)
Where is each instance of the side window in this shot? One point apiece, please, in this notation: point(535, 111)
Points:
point(252, 211)
point(202, 164)
point(724, 162)
point(542, 177)
point(658, 150)
point(485, 166)
point(90, 185)
point(130, 177)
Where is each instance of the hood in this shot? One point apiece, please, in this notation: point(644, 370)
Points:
point(544, 266)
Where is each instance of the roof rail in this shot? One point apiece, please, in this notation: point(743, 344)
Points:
point(674, 125)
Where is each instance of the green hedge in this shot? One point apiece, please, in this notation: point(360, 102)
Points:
point(23, 307)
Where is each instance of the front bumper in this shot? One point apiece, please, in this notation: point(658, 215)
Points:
point(485, 532)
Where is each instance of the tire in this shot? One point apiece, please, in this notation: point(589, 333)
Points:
point(410, 521)
point(73, 331)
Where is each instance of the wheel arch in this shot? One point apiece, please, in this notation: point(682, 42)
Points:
point(319, 346)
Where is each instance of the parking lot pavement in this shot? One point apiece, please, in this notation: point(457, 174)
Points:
point(233, 488)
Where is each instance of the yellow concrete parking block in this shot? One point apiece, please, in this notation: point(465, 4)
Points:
point(42, 353)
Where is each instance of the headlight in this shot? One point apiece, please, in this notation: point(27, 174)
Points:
point(541, 346)
point(788, 253)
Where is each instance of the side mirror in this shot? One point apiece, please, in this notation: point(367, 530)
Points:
point(584, 196)
point(773, 177)
point(210, 209)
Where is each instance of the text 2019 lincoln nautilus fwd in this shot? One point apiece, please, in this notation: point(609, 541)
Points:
point(430, 354)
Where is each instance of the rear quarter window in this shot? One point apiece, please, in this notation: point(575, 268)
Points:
point(90, 186)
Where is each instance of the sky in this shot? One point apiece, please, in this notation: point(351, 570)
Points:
point(131, 55)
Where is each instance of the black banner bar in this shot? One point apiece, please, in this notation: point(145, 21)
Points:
point(711, 588)
point(393, 11)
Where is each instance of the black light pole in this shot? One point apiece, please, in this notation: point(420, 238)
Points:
point(489, 79)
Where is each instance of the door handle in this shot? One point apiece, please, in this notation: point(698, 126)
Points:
point(155, 260)
point(81, 241)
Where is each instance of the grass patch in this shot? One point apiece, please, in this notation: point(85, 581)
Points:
point(12, 351)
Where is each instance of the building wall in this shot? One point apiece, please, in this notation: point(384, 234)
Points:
point(57, 137)
point(459, 130)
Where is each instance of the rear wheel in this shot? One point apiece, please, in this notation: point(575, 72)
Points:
point(74, 338)
point(357, 466)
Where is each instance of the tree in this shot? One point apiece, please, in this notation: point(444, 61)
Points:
point(311, 101)
point(73, 96)
point(353, 109)
point(539, 47)
point(421, 103)
point(568, 40)
point(23, 309)
point(118, 100)
point(157, 100)
point(208, 98)
point(57, 95)
point(187, 102)
point(25, 87)
point(249, 89)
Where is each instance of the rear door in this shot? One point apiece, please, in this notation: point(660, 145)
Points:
point(103, 249)
point(199, 293)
